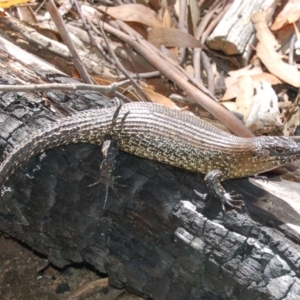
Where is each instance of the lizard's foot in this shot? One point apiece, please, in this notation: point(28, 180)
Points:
point(215, 188)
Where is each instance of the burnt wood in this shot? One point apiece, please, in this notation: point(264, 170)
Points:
point(155, 236)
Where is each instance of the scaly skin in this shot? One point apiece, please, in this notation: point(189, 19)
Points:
point(169, 136)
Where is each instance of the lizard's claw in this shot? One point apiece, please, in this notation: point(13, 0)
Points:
point(215, 188)
point(233, 200)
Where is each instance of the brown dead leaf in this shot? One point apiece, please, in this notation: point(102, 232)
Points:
point(154, 96)
point(230, 93)
point(26, 14)
point(133, 13)
point(232, 90)
point(172, 37)
point(230, 105)
point(272, 79)
point(249, 70)
point(167, 19)
point(159, 98)
point(289, 14)
point(244, 99)
point(265, 50)
point(103, 81)
point(284, 33)
point(297, 42)
point(155, 4)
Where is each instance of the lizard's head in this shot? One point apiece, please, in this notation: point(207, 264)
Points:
point(272, 151)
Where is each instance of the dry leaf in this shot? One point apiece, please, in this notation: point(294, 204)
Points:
point(159, 98)
point(289, 14)
point(249, 70)
point(172, 37)
point(26, 14)
point(265, 50)
point(230, 105)
point(244, 99)
point(155, 4)
point(133, 13)
point(195, 13)
point(232, 90)
point(267, 77)
point(167, 19)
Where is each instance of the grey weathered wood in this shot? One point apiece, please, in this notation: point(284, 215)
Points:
point(235, 33)
point(286, 201)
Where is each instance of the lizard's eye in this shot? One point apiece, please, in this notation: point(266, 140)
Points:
point(279, 150)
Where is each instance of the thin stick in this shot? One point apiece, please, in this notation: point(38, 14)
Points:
point(120, 66)
point(59, 23)
point(105, 89)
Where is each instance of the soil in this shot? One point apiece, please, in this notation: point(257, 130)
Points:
point(24, 274)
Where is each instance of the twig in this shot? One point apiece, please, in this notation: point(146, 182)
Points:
point(292, 47)
point(39, 7)
point(142, 75)
point(176, 75)
point(209, 72)
point(122, 97)
point(198, 34)
point(182, 25)
point(88, 27)
point(206, 33)
point(120, 66)
point(59, 23)
point(62, 86)
point(181, 99)
point(34, 38)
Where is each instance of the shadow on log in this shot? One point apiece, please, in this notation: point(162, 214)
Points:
point(155, 236)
